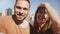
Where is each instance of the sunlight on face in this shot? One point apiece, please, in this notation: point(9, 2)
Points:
point(42, 18)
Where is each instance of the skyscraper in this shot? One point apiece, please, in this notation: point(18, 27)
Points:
point(9, 11)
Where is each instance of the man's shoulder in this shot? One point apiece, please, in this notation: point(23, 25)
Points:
point(4, 17)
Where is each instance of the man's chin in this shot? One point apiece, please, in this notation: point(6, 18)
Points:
point(19, 19)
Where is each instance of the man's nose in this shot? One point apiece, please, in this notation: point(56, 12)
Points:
point(21, 12)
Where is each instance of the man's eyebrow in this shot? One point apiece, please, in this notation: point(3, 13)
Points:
point(18, 7)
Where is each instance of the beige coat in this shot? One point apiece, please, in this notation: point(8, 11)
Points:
point(8, 26)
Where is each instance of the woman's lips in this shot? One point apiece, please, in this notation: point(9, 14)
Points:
point(40, 20)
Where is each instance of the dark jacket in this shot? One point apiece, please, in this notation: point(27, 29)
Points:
point(32, 31)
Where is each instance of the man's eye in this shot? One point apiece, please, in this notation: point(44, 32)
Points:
point(25, 9)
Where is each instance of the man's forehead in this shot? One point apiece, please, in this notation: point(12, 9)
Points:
point(22, 3)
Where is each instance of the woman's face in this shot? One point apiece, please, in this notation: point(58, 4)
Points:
point(41, 17)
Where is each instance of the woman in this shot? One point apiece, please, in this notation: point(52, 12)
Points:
point(44, 21)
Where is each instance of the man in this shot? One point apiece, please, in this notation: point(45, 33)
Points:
point(16, 24)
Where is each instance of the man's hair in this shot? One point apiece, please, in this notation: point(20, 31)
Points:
point(25, 0)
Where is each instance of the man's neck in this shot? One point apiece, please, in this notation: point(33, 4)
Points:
point(19, 22)
point(16, 21)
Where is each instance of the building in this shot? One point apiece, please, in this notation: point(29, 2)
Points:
point(9, 11)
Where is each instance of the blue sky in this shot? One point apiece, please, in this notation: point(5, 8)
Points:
point(55, 4)
point(4, 4)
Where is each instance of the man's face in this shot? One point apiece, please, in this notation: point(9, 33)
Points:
point(21, 9)
point(42, 17)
